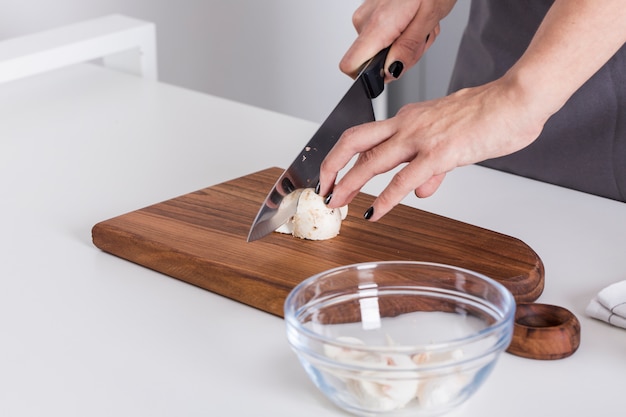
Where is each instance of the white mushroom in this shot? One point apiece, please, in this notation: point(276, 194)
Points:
point(376, 392)
point(344, 354)
point(438, 392)
point(288, 200)
point(372, 390)
point(313, 220)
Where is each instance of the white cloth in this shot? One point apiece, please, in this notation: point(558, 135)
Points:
point(610, 305)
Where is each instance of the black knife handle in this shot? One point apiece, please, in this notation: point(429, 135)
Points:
point(373, 75)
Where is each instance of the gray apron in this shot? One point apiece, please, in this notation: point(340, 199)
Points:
point(583, 146)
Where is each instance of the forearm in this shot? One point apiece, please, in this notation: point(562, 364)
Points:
point(575, 39)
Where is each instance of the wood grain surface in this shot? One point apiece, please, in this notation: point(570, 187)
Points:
point(544, 331)
point(200, 238)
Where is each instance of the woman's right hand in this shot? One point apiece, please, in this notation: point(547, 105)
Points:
point(409, 26)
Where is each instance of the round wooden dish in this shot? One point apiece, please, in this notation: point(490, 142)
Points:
point(544, 331)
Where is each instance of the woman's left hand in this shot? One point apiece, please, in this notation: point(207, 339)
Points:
point(431, 138)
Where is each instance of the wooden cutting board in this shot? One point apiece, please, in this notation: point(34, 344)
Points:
point(200, 238)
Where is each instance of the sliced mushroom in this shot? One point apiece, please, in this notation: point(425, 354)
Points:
point(313, 219)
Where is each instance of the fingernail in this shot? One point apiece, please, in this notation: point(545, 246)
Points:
point(327, 199)
point(317, 188)
point(427, 37)
point(368, 213)
point(396, 68)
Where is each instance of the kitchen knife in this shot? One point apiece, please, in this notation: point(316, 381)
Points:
point(354, 108)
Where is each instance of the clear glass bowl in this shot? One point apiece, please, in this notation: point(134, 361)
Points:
point(399, 338)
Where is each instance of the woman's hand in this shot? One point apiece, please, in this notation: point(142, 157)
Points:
point(409, 26)
point(432, 138)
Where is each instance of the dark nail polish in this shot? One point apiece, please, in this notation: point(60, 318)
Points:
point(396, 68)
point(427, 37)
point(328, 197)
point(288, 185)
point(368, 213)
point(317, 188)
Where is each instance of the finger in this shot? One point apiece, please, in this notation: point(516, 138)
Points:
point(378, 25)
point(409, 178)
point(432, 36)
point(368, 165)
point(429, 187)
point(366, 46)
point(409, 47)
point(380, 159)
point(362, 15)
point(353, 141)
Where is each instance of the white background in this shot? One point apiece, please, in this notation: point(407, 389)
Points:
point(281, 55)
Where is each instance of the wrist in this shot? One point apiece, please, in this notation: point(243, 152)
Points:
point(537, 96)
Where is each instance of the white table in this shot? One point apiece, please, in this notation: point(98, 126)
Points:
point(84, 333)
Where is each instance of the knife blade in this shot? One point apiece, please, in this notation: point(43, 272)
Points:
point(354, 108)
